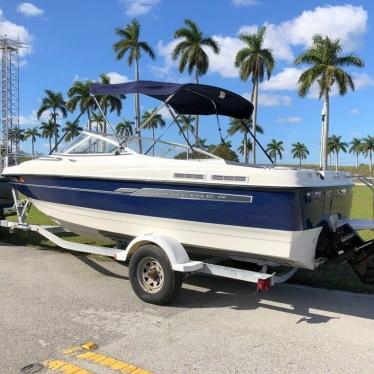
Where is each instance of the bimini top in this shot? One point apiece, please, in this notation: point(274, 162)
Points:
point(187, 98)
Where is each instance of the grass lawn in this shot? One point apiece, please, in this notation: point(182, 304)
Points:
point(333, 276)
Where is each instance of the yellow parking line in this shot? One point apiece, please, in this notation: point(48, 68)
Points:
point(65, 367)
point(84, 352)
point(112, 363)
point(85, 346)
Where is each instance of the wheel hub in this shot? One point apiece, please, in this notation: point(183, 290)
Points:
point(150, 274)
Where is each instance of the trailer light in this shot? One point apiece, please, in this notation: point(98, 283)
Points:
point(263, 284)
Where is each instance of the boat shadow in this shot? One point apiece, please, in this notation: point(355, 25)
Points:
point(313, 305)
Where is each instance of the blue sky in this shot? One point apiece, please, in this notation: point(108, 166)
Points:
point(71, 40)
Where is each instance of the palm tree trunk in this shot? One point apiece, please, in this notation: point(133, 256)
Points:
point(197, 117)
point(245, 148)
point(55, 123)
point(254, 119)
point(337, 161)
point(370, 165)
point(275, 158)
point(326, 104)
point(153, 137)
point(32, 146)
point(300, 161)
point(89, 119)
point(356, 162)
point(50, 144)
point(137, 106)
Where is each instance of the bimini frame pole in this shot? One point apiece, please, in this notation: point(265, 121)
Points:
point(153, 114)
point(175, 118)
point(105, 118)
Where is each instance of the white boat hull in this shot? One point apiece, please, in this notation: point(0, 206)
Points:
point(295, 248)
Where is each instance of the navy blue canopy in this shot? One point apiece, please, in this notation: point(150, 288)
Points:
point(187, 98)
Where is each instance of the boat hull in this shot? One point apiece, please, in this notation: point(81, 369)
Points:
point(280, 223)
point(294, 248)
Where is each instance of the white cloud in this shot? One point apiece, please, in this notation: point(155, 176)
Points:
point(29, 10)
point(139, 7)
point(362, 80)
point(223, 63)
point(292, 119)
point(117, 78)
point(265, 99)
point(354, 111)
point(345, 22)
point(270, 99)
point(287, 79)
point(13, 31)
point(244, 2)
point(32, 119)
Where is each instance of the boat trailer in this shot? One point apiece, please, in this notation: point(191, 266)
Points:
point(163, 261)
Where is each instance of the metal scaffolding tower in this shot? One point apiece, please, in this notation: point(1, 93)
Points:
point(9, 132)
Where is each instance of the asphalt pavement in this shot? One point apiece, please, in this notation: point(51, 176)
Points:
point(53, 300)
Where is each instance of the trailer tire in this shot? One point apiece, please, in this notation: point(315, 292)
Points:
point(152, 277)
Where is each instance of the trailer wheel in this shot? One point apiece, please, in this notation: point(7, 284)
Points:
point(152, 276)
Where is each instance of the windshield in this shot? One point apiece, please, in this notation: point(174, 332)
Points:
point(163, 149)
point(89, 143)
point(93, 143)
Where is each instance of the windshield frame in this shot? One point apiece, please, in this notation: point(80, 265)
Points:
point(123, 149)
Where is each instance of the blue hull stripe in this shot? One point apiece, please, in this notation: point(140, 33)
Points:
point(263, 209)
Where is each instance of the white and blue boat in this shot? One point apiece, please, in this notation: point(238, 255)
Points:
point(103, 186)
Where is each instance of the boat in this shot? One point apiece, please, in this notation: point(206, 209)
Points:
point(102, 186)
point(6, 198)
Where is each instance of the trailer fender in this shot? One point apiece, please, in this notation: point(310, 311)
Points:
point(175, 251)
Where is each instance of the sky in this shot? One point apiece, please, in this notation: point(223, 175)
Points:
point(72, 40)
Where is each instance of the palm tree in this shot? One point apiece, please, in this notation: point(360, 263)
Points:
point(186, 125)
point(71, 130)
point(48, 130)
point(253, 61)
point(130, 44)
point(337, 146)
point(191, 53)
point(55, 103)
point(368, 148)
point(80, 95)
point(275, 148)
point(300, 151)
point(356, 148)
point(124, 128)
point(98, 119)
point(245, 149)
point(155, 121)
point(111, 102)
point(327, 69)
point(33, 134)
point(202, 143)
point(330, 149)
point(17, 135)
point(236, 125)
